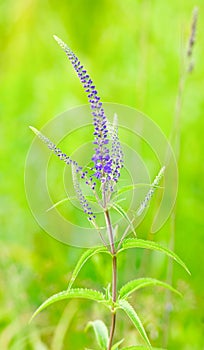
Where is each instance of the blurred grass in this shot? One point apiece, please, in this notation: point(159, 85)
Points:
point(132, 50)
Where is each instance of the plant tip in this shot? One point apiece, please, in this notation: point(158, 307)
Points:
point(34, 130)
point(55, 37)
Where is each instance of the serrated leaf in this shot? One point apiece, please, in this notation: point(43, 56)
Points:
point(83, 259)
point(122, 212)
point(70, 294)
point(131, 313)
point(140, 243)
point(134, 285)
point(101, 333)
point(116, 345)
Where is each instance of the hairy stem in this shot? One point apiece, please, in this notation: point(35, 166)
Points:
point(114, 276)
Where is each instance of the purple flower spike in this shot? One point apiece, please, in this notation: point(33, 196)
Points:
point(57, 151)
point(83, 201)
point(100, 120)
point(116, 151)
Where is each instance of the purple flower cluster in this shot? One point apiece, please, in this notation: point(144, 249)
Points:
point(102, 160)
point(108, 156)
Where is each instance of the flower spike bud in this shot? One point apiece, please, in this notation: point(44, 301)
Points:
point(83, 201)
point(55, 150)
point(150, 193)
point(116, 151)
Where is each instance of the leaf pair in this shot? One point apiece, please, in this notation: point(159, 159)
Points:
point(127, 244)
point(124, 292)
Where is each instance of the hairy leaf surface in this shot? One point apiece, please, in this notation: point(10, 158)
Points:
point(133, 285)
point(70, 294)
point(140, 243)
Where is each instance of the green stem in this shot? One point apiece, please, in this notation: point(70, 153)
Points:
point(114, 276)
point(114, 296)
point(110, 231)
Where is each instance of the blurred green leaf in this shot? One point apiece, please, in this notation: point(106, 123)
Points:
point(141, 348)
point(101, 333)
point(116, 345)
point(62, 326)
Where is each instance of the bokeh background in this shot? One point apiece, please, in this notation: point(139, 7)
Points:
point(132, 49)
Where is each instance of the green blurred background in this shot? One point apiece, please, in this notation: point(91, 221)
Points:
point(132, 49)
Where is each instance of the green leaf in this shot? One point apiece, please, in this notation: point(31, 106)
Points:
point(116, 345)
point(89, 198)
point(133, 285)
point(58, 203)
point(128, 309)
point(140, 243)
point(83, 259)
point(132, 187)
point(70, 294)
point(140, 348)
point(101, 333)
point(121, 211)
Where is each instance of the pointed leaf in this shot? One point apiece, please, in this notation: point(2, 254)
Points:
point(89, 198)
point(116, 345)
point(83, 259)
point(140, 243)
point(70, 294)
point(58, 203)
point(122, 212)
point(101, 333)
point(125, 306)
point(133, 285)
point(131, 187)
